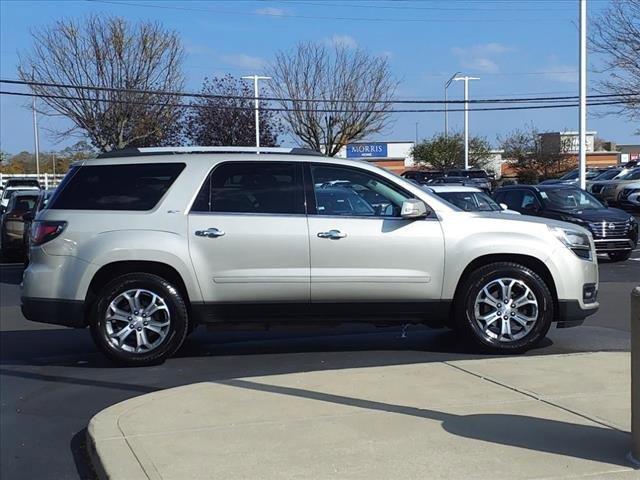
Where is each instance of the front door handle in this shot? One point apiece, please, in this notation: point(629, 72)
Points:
point(209, 233)
point(332, 234)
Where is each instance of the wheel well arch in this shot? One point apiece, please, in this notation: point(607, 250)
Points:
point(530, 262)
point(108, 272)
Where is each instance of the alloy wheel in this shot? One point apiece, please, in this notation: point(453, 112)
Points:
point(137, 321)
point(506, 310)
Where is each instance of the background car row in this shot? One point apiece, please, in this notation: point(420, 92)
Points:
point(21, 199)
point(615, 231)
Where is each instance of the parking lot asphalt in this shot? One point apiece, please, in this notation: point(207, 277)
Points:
point(52, 380)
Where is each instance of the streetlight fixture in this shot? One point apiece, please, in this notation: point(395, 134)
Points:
point(446, 105)
point(256, 93)
point(582, 121)
point(466, 80)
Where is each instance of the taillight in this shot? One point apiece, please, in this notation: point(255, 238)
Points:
point(43, 231)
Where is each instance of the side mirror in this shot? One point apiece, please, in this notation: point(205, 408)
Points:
point(413, 208)
point(531, 208)
point(28, 217)
point(504, 206)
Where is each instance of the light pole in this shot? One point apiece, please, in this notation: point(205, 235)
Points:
point(466, 80)
point(582, 153)
point(36, 140)
point(256, 93)
point(446, 105)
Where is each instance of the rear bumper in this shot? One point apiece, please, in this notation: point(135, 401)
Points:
point(572, 314)
point(69, 313)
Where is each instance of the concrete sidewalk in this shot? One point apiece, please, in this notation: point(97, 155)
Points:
point(557, 416)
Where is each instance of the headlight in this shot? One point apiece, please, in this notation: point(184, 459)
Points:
point(578, 242)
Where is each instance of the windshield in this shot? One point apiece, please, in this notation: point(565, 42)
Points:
point(608, 174)
point(471, 201)
point(570, 199)
point(591, 174)
point(629, 174)
point(572, 175)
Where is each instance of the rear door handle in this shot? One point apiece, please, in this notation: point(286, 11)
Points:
point(209, 233)
point(332, 234)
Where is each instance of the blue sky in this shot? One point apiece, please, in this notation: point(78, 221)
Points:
point(515, 47)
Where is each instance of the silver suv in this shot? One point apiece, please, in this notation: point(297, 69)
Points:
point(141, 247)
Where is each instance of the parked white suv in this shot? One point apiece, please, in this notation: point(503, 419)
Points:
point(141, 247)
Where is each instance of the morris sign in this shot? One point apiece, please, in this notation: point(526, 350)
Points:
point(364, 150)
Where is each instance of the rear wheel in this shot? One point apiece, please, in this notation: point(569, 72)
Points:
point(139, 319)
point(619, 256)
point(504, 308)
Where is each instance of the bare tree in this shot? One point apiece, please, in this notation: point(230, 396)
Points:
point(109, 52)
point(616, 35)
point(224, 119)
point(526, 150)
point(349, 87)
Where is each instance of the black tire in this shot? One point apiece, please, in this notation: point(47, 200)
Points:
point(619, 256)
point(465, 305)
point(176, 331)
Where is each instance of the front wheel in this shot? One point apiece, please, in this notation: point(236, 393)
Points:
point(619, 256)
point(504, 307)
point(139, 319)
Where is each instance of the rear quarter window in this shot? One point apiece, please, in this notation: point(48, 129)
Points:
point(136, 187)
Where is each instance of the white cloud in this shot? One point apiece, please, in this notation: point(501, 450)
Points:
point(197, 49)
point(558, 72)
point(243, 60)
point(345, 41)
point(562, 73)
point(271, 12)
point(481, 57)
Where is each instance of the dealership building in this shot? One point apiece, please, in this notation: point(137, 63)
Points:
point(394, 156)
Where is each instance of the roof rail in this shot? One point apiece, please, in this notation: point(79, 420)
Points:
point(142, 151)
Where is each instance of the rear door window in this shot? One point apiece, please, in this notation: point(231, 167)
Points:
point(253, 187)
point(137, 187)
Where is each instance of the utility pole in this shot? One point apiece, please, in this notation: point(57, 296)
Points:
point(416, 133)
point(54, 167)
point(256, 93)
point(582, 155)
point(446, 105)
point(36, 141)
point(466, 80)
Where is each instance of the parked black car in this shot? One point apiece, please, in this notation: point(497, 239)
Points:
point(476, 177)
point(422, 176)
point(614, 231)
point(466, 181)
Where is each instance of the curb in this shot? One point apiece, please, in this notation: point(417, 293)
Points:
point(127, 466)
point(106, 441)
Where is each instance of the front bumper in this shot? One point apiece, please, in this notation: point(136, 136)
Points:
point(572, 314)
point(69, 313)
point(614, 245)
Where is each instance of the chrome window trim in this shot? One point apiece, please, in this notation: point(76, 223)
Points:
point(374, 217)
point(248, 214)
point(358, 217)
